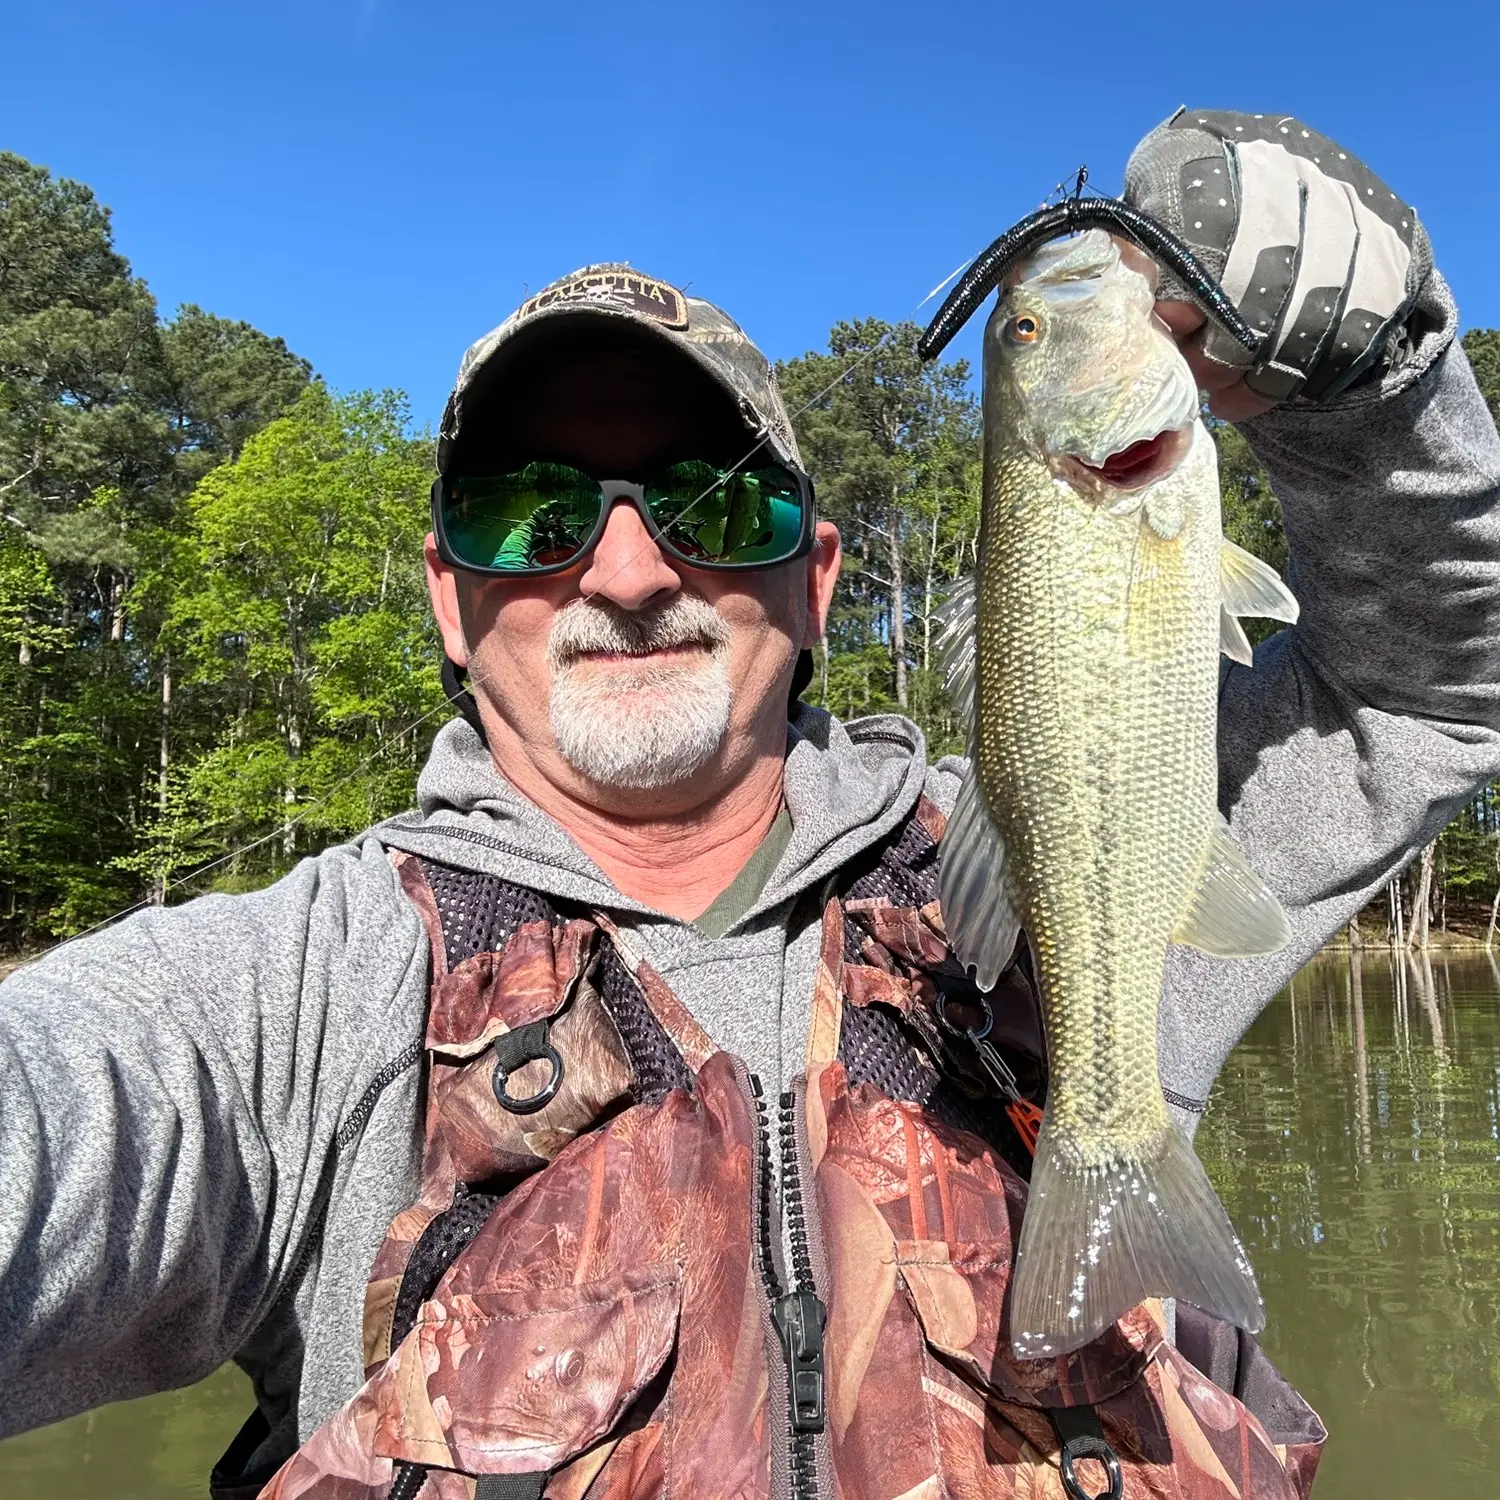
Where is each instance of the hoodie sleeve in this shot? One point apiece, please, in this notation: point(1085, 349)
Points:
point(1360, 732)
point(171, 1095)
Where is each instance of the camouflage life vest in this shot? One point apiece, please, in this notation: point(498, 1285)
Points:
point(590, 1296)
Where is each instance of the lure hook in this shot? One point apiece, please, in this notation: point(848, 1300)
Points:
point(1069, 217)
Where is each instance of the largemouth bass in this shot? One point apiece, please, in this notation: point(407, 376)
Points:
point(1087, 649)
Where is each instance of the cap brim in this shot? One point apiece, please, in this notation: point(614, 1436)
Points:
point(610, 327)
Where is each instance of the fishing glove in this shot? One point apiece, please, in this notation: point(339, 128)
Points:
point(1313, 248)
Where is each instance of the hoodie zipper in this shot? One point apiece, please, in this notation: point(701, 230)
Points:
point(797, 1312)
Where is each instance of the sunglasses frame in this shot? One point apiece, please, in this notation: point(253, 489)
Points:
point(610, 491)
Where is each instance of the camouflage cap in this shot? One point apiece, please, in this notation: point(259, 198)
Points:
point(630, 298)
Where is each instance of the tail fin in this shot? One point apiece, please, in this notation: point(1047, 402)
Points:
point(1098, 1240)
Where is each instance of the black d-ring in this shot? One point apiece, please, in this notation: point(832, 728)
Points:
point(982, 1000)
point(513, 1050)
point(1083, 1445)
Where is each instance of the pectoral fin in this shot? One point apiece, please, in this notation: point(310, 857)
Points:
point(1232, 914)
point(980, 921)
point(1165, 510)
point(1247, 586)
point(1233, 642)
point(956, 649)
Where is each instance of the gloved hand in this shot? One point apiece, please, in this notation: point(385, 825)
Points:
point(1308, 242)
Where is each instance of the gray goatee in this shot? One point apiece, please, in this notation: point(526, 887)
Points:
point(647, 725)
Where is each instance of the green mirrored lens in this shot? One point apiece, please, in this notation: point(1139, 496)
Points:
point(535, 518)
point(752, 516)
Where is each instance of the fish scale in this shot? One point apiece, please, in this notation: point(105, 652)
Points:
point(1103, 791)
point(1089, 645)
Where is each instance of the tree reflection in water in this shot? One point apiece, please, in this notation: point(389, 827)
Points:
point(1359, 1155)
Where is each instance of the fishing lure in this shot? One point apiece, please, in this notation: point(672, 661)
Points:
point(1069, 217)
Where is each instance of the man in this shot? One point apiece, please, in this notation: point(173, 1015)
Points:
point(211, 1116)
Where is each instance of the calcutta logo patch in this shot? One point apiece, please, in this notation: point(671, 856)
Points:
point(614, 291)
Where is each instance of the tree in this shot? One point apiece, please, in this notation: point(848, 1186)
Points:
point(225, 381)
point(1250, 511)
point(892, 445)
point(1482, 345)
point(80, 371)
point(107, 418)
point(307, 627)
point(215, 647)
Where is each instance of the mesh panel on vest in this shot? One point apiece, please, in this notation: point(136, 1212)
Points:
point(480, 912)
point(658, 1064)
point(434, 1252)
point(876, 1048)
point(853, 936)
point(905, 872)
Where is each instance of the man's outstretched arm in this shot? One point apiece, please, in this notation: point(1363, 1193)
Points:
point(171, 1092)
point(1361, 730)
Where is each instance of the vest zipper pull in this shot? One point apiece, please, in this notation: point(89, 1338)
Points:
point(800, 1318)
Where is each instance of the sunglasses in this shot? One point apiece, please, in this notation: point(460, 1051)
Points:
point(549, 516)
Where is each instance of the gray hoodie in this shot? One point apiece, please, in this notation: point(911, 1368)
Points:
point(210, 1114)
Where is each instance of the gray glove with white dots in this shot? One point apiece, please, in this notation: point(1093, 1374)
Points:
point(1313, 248)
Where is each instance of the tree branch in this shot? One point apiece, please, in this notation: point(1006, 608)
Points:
point(10, 484)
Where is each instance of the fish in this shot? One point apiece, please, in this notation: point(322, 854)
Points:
point(1083, 653)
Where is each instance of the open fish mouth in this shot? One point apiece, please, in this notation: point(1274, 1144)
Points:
point(1136, 465)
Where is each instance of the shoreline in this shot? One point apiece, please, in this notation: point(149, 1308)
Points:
point(1447, 942)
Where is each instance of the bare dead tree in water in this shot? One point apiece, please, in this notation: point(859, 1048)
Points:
point(1421, 907)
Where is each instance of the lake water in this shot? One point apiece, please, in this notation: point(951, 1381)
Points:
point(1355, 1140)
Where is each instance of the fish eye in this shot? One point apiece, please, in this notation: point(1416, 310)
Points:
point(1024, 328)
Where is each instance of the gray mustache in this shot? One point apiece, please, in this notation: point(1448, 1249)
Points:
point(590, 625)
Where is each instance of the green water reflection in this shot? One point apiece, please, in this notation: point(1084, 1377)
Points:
point(1355, 1138)
point(158, 1448)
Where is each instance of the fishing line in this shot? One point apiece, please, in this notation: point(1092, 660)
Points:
point(475, 676)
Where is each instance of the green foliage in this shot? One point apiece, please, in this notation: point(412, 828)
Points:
point(107, 418)
point(27, 596)
point(216, 652)
point(1251, 513)
point(80, 368)
point(1482, 345)
point(893, 447)
point(303, 611)
point(225, 381)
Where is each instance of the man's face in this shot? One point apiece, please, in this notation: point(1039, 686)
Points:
point(633, 680)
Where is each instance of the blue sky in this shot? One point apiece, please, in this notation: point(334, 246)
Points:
point(380, 182)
